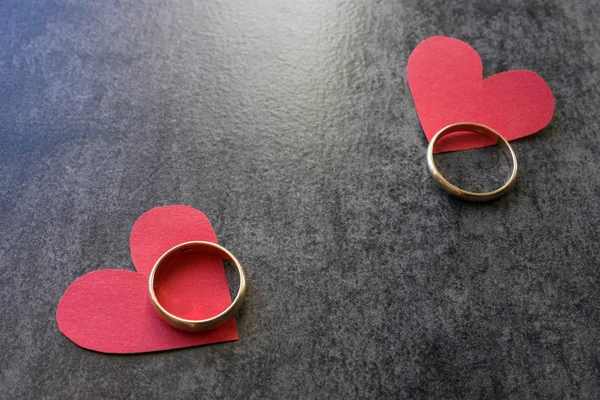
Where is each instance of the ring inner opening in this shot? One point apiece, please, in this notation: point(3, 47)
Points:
point(478, 170)
point(190, 284)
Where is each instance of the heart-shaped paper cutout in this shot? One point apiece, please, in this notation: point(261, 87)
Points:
point(445, 79)
point(110, 310)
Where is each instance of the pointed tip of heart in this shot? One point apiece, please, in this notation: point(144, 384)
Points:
point(109, 311)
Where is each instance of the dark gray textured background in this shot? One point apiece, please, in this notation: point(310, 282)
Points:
point(290, 124)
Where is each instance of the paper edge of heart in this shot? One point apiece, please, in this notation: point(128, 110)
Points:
point(456, 143)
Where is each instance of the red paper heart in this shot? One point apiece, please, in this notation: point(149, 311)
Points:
point(110, 311)
point(445, 79)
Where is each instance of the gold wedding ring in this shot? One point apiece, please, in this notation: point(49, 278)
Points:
point(464, 194)
point(198, 325)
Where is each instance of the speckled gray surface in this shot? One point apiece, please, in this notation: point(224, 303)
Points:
point(290, 124)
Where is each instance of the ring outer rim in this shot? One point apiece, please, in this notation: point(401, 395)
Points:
point(455, 190)
point(200, 324)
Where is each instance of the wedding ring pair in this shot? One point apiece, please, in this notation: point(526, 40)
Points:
point(215, 249)
point(465, 194)
point(203, 324)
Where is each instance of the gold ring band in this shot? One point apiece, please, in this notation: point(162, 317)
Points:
point(198, 325)
point(464, 194)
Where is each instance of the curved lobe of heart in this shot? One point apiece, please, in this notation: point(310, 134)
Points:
point(110, 311)
point(445, 79)
point(162, 228)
